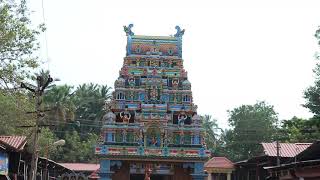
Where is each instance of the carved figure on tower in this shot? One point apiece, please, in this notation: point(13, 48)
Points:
point(140, 137)
point(147, 172)
point(125, 116)
point(179, 32)
point(127, 30)
point(131, 82)
point(175, 83)
point(154, 141)
point(181, 118)
point(109, 117)
point(153, 94)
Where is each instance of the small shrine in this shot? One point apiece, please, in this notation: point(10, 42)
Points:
point(219, 168)
point(151, 128)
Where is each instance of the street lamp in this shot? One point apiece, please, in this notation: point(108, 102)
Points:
point(60, 142)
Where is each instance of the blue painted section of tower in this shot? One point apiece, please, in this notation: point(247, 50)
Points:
point(198, 173)
point(129, 42)
point(105, 173)
point(198, 167)
point(179, 43)
point(196, 139)
point(109, 135)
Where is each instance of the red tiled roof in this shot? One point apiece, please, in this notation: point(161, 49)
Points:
point(15, 142)
point(219, 162)
point(81, 166)
point(286, 149)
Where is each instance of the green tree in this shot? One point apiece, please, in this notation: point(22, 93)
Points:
point(77, 150)
point(212, 136)
point(251, 125)
point(18, 42)
point(300, 130)
point(46, 140)
point(59, 101)
point(292, 130)
point(311, 128)
point(90, 100)
point(13, 112)
point(228, 146)
point(84, 105)
point(312, 93)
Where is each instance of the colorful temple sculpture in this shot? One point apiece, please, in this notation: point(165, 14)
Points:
point(151, 129)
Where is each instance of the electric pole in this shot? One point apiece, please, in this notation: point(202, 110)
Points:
point(42, 84)
point(278, 153)
point(278, 143)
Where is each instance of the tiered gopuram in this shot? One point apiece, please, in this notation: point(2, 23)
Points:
point(152, 129)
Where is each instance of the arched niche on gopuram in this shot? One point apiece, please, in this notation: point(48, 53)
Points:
point(153, 135)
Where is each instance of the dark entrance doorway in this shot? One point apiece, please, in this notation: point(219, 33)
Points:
point(136, 176)
point(153, 177)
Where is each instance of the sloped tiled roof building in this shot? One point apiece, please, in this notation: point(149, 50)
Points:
point(253, 168)
point(219, 168)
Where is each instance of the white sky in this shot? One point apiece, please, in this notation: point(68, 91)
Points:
point(235, 52)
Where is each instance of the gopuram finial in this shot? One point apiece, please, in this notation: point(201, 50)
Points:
point(127, 29)
point(179, 32)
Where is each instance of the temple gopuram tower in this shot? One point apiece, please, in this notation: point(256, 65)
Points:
point(151, 129)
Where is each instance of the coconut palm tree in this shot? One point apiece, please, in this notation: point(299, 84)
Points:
point(211, 127)
point(90, 100)
point(59, 101)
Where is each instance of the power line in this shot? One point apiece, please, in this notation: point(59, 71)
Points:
point(45, 35)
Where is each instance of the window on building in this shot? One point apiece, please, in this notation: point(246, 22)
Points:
point(186, 98)
point(130, 137)
point(175, 119)
point(188, 121)
point(176, 139)
point(187, 139)
point(120, 96)
point(118, 136)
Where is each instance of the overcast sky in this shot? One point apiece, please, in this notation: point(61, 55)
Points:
point(235, 52)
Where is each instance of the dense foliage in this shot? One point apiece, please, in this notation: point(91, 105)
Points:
point(13, 112)
point(18, 42)
point(300, 130)
point(251, 125)
point(75, 115)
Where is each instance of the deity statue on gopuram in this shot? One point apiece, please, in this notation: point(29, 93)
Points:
point(151, 129)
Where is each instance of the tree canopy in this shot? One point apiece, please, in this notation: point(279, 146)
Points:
point(76, 114)
point(18, 43)
point(213, 133)
point(251, 125)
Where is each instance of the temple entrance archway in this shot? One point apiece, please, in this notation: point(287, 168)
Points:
point(136, 176)
point(153, 177)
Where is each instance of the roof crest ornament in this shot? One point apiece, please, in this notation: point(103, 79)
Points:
point(127, 30)
point(179, 32)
